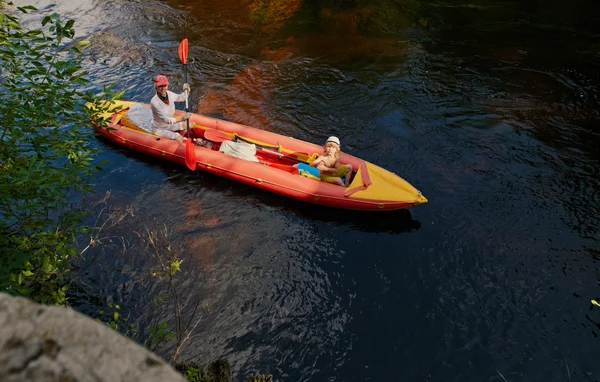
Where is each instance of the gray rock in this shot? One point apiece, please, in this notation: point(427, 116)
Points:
point(48, 343)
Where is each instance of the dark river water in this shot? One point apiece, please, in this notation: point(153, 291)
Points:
point(490, 108)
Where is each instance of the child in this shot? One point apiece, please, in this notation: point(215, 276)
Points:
point(330, 169)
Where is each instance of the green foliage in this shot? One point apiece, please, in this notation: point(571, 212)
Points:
point(159, 334)
point(114, 320)
point(192, 372)
point(174, 266)
point(196, 375)
point(46, 160)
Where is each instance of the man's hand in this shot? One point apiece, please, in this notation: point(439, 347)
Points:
point(186, 87)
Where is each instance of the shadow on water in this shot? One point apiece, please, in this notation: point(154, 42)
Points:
point(392, 222)
point(398, 221)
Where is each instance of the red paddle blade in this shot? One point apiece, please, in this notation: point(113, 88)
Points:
point(284, 167)
point(183, 51)
point(190, 154)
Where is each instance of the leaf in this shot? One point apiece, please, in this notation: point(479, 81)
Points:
point(26, 8)
point(82, 43)
point(34, 33)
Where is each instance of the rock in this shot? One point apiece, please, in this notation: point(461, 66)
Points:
point(48, 343)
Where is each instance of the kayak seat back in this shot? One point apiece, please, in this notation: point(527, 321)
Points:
point(138, 117)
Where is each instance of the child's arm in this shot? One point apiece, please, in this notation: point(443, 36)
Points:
point(337, 164)
point(321, 164)
point(325, 169)
point(317, 161)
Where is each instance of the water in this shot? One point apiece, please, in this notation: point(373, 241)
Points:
point(489, 108)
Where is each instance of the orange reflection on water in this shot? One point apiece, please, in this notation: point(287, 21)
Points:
point(273, 15)
point(202, 246)
point(246, 98)
point(338, 36)
point(203, 249)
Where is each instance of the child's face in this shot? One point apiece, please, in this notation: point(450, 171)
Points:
point(330, 149)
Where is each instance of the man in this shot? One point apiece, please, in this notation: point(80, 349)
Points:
point(163, 109)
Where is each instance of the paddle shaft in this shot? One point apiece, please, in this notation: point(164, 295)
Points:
point(280, 155)
point(190, 151)
point(187, 94)
point(220, 136)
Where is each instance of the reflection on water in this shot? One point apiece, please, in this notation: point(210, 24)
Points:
point(261, 291)
point(488, 108)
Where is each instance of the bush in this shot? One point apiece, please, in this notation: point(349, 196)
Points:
point(46, 161)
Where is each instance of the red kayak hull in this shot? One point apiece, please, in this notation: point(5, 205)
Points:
point(270, 174)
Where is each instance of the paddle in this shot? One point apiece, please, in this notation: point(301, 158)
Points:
point(221, 136)
point(190, 152)
point(284, 167)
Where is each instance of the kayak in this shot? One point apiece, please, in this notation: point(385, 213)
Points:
point(278, 163)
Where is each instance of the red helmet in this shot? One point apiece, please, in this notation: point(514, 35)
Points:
point(161, 80)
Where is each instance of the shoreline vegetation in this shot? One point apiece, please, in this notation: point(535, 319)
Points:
point(47, 167)
point(49, 215)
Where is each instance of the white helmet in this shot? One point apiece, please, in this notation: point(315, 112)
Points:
point(334, 140)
